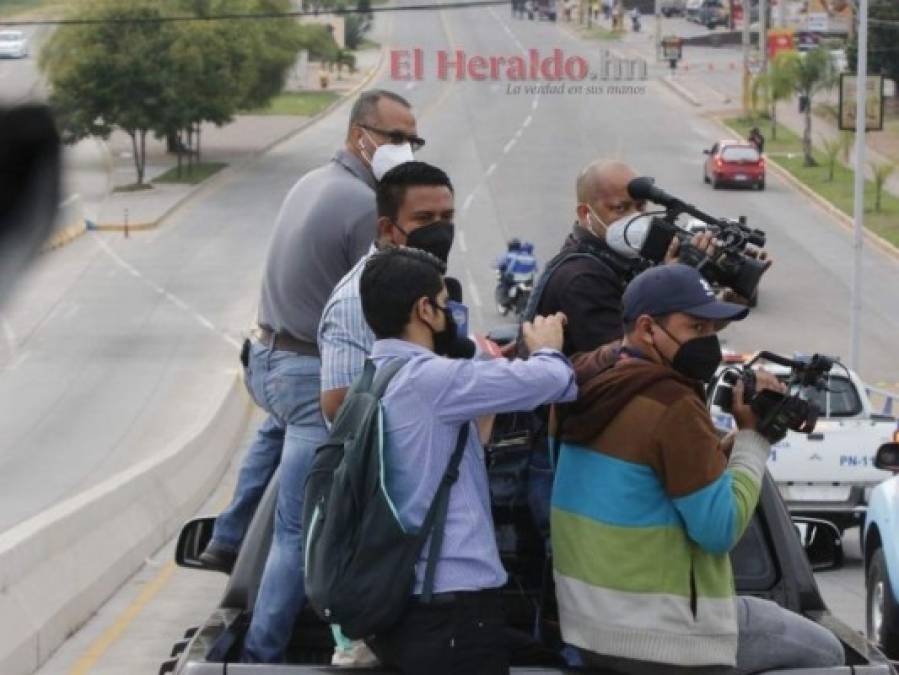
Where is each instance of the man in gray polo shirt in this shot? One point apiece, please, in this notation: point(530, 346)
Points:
point(327, 222)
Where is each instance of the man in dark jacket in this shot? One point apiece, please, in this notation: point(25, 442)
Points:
point(588, 284)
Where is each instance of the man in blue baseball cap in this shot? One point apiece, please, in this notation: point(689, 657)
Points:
point(648, 500)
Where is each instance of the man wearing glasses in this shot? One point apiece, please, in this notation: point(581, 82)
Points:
point(327, 222)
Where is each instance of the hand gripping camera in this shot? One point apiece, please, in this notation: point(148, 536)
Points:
point(777, 413)
point(731, 265)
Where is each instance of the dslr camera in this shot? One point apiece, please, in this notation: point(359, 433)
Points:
point(734, 264)
point(777, 413)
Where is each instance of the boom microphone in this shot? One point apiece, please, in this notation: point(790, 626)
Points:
point(644, 189)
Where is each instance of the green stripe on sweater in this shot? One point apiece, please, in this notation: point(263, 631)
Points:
point(637, 560)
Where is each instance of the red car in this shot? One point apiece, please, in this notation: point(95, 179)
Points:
point(734, 163)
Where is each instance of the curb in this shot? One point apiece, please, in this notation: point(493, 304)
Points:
point(59, 566)
point(212, 184)
point(844, 220)
point(681, 91)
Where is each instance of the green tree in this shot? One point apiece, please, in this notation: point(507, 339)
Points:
point(777, 86)
point(883, 52)
point(832, 148)
point(810, 74)
point(111, 74)
point(882, 171)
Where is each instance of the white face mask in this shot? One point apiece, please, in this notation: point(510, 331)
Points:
point(388, 156)
point(625, 236)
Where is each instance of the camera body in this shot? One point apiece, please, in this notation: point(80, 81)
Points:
point(777, 413)
point(730, 266)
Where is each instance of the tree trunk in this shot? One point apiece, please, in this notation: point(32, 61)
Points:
point(199, 134)
point(135, 154)
point(773, 120)
point(172, 142)
point(807, 136)
point(143, 152)
point(180, 153)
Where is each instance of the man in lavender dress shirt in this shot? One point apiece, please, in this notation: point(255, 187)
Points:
point(404, 303)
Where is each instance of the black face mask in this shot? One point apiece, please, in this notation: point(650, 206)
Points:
point(436, 238)
point(448, 342)
point(697, 359)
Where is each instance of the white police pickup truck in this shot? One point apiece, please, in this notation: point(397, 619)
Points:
point(830, 472)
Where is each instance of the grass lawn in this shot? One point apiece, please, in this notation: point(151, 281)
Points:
point(368, 44)
point(787, 151)
point(197, 174)
point(13, 7)
point(305, 103)
point(600, 33)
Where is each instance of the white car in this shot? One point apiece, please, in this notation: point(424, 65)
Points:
point(13, 44)
point(829, 473)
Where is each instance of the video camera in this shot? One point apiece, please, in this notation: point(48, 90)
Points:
point(732, 265)
point(777, 413)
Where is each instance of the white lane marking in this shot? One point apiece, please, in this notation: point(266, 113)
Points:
point(460, 237)
point(73, 310)
point(175, 300)
point(410, 86)
point(509, 146)
point(473, 288)
point(527, 121)
point(467, 204)
point(71, 199)
point(491, 169)
point(535, 103)
point(519, 133)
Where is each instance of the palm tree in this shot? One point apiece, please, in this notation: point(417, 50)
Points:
point(777, 86)
point(810, 74)
point(882, 171)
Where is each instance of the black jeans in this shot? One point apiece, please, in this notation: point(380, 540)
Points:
point(458, 634)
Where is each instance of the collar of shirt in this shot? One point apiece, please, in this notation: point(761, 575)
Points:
point(394, 347)
point(355, 166)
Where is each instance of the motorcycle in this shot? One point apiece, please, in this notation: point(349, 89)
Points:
point(513, 297)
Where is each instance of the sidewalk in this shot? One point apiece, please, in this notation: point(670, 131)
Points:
point(233, 144)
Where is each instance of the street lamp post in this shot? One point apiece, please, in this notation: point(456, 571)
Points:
point(746, 18)
point(859, 210)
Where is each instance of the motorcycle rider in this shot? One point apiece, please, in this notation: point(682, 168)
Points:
point(517, 266)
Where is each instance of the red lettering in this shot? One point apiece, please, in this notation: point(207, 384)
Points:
point(444, 64)
point(517, 69)
point(495, 63)
point(551, 69)
point(399, 64)
point(476, 67)
point(576, 68)
point(535, 64)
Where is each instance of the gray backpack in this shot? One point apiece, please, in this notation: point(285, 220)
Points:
point(360, 562)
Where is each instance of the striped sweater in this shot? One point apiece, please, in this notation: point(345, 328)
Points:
point(646, 506)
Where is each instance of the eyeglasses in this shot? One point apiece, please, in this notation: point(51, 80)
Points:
point(398, 137)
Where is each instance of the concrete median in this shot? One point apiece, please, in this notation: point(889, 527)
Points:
point(58, 567)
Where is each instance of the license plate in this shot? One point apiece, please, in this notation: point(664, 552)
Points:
point(741, 176)
point(815, 493)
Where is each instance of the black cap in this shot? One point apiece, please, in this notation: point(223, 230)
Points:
point(666, 289)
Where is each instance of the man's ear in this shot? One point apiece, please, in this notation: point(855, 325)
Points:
point(644, 329)
point(385, 230)
point(583, 214)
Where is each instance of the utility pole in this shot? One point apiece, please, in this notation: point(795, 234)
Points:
point(746, 73)
point(782, 13)
point(763, 35)
point(861, 118)
point(658, 28)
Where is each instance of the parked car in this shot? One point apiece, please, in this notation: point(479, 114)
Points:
point(771, 562)
point(734, 163)
point(13, 44)
point(713, 13)
point(691, 9)
point(830, 473)
point(671, 8)
point(541, 9)
point(881, 549)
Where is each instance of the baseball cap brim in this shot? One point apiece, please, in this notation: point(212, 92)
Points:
point(718, 311)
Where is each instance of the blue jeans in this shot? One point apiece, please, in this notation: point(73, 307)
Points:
point(286, 385)
point(256, 471)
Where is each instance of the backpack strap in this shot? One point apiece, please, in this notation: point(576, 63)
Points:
point(380, 377)
point(436, 518)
